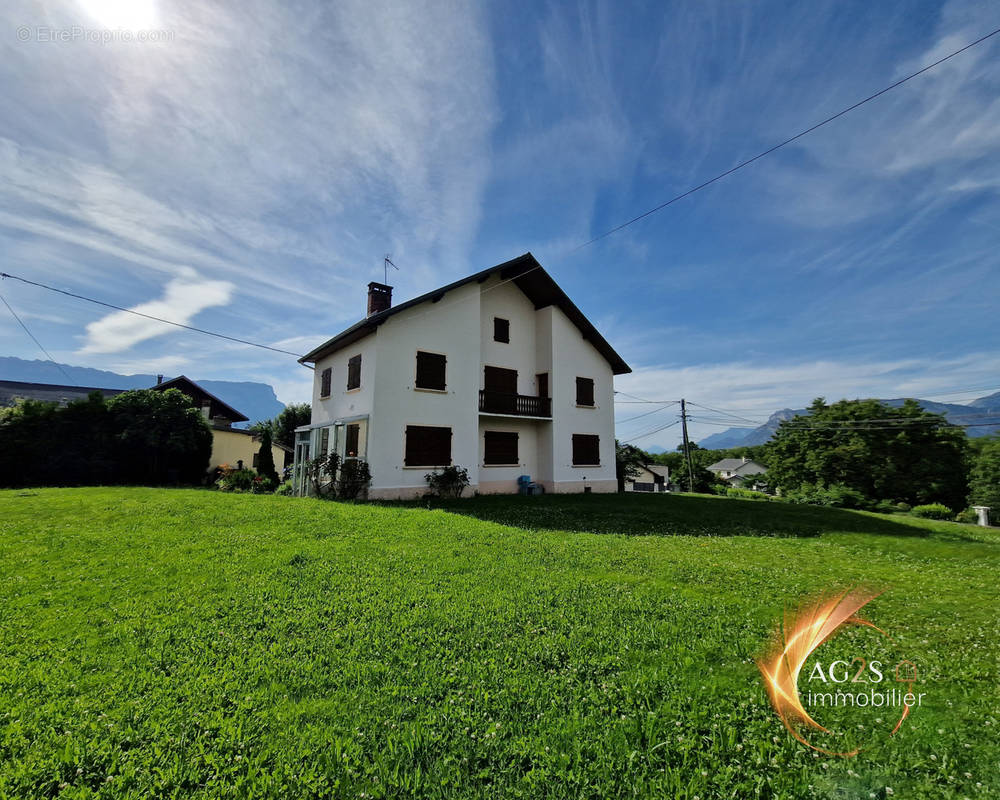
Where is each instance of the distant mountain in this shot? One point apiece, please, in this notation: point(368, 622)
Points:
point(256, 400)
point(980, 415)
point(656, 450)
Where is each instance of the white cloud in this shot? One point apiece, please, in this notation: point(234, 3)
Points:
point(182, 300)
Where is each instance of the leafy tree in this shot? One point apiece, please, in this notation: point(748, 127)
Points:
point(629, 459)
point(283, 426)
point(900, 454)
point(265, 458)
point(140, 436)
point(158, 437)
point(984, 477)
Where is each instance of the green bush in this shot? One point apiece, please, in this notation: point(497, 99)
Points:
point(285, 488)
point(746, 494)
point(235, 480)
point(933, 511)
point(833, 496)
point(967, 515)
point(886, 507)
point(449, 482)
point(904, 507)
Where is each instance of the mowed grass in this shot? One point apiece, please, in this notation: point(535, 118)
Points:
point(174, 643)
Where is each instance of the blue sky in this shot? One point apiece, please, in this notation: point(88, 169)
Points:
point(247, 172)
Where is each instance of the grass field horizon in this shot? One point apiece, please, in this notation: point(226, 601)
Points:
point(189, 643)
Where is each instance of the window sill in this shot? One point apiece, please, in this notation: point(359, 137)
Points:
point(432, 391)
point(582, 405)
point(324, 397)
point(429, 466)
point(585, 466)
point(503, 466)
point(355, 390)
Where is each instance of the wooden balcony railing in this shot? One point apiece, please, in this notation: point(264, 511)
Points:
point(522, 405)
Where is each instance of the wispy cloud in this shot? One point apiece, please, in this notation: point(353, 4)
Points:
point(183, 299)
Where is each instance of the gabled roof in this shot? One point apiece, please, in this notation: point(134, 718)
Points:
point(525, 272)
point(658, 469)
point(738, 466)
point(195, 392)
point(48, 392)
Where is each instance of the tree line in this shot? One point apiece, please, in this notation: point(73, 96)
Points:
point(863, 453)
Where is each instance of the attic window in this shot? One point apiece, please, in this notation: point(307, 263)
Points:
point(501, 330)
point(585, 391)
point(354, 373)
point(431, 370)
point(326, 378)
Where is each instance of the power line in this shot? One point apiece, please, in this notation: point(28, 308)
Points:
point(788, 141)
point(646, 414)
point(651, 432)
point(21, 323)
point(149, 316)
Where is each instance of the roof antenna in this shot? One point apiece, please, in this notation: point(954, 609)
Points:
point(386, 263)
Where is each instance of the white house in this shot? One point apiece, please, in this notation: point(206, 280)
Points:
point(499, 373)
point(739, 471)
point(650, 478)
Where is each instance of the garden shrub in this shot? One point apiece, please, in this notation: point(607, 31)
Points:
point(285, 488)
point(334, 477)
point(933, 511)
point(235, 480)
point(450, 482)
point(967, 515)
point(886, 507)
point(904, 507)
point(746, 494)
point(834, 496)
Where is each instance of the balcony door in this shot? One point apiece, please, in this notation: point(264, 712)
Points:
point(501, 390)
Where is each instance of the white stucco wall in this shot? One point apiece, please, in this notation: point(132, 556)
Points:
point(450, 326)
point(342, 403)
point(572, 357)
point(503, 480)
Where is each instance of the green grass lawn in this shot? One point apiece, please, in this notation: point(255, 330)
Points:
point(174, 643)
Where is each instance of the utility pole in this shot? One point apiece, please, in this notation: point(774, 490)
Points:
point(687, 447)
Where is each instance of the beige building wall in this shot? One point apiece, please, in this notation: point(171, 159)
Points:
point(229, 447)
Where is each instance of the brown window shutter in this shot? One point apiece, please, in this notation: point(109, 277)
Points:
point(585, 391)
point(501, 330)
point(431, 370)
point(500, 447)
point(351, 441)
point(354, 372)
point(586, 450)
point(326, 379)
point(427, 446)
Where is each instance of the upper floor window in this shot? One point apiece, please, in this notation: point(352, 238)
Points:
point(325, 379)
point(501, 330)
point(431, 370)
point(427, 446)
point(585, 391)
point(354, 373)
point(586, 450)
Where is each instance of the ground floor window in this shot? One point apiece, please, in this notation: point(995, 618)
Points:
point(427, 446)
point(586, 450)
point(499, 447)
point(351, 437)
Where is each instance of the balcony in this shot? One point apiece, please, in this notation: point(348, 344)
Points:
point(520, 405)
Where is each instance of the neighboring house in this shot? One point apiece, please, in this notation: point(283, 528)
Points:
point(651, 478)
point(499, 373)
point(739, 471)
point(229, 445)
point(232, 446)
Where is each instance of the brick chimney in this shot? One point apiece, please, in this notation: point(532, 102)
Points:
point(159, 379)
point(379, 297)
